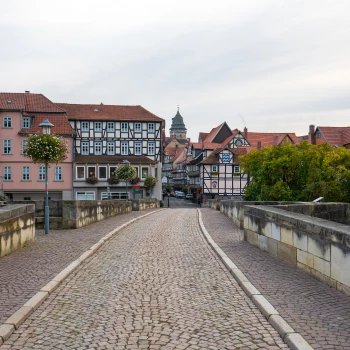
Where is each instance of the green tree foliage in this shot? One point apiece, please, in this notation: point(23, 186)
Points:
point(298, 173)
point(150, 182)
point(124, 172)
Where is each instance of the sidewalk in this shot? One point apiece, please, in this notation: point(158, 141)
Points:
point(319, 313)
point(24, 272)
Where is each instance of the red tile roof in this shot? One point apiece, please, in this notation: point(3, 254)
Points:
point(28, 102)
point(108, 112)
point(60, 122)
point(203, 135)
point(270, 139)
point(339, 136)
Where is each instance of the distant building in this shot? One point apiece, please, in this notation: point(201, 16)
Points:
point(178, 128)
point(336, 136)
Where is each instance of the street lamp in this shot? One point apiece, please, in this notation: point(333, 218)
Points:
point(125, 161)
point(46, 125)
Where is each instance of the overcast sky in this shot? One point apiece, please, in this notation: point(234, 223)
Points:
point(273, 66)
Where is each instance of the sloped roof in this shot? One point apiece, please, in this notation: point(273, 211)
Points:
point(31, 103)
point(202, 136)
point(60, 122)
point(213, 159)
point(108, 112)
point(334, 135)
point(270, 139)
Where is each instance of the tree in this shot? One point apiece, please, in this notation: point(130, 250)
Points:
point(298, 173)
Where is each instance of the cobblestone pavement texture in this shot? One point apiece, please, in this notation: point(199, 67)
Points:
point(24, 272)
point(319, 313)
point(155, 285)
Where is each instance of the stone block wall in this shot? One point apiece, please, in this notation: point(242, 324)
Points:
point(144, 204)
point(17, 227)
point(319, 247)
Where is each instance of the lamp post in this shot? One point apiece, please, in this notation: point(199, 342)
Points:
point(46, 125)
point(125, 161)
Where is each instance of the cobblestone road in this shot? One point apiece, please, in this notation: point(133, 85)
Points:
point(319, 313)
point(24, 272)
point(155, 285)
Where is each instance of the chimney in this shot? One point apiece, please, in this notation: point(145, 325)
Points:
point(245, 133)
point(258, 146)
point(27, 92)
point(312, 138)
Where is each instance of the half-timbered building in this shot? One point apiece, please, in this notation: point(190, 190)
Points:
point(110, 135)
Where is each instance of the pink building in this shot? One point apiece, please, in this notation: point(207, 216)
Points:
point(20, 115)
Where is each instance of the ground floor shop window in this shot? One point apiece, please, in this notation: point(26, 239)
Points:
point(85, 195)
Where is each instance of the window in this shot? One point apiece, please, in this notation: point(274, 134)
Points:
point(91, 171)
point(214, 168)
point(151, 127)
point(138, 148)
point(110, 148)
point(124, 127)
point(98, 148)
point(58, 173)
point(114, 195)
point(85, 196)
point(236, 169)
point(7, 173)
point(151, 148)
point(102, 172)
point(85, 126)
point(98, 126)
point(26, 122)
point(42, 173)
point(112, 169)
point(24, 146)
point(27, 198)
point(124, 148)
point(85, 148)
point(144, 172)
point(110, 126)
point(25, 173)
point(7, 146)
point(7, 122)
point(80, 173)
point(137, 170)
point(137, 127)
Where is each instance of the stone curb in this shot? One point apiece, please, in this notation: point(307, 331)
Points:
point(294, 340)
point(14, 321)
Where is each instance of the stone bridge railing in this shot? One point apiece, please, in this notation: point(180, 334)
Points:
point(318, 246)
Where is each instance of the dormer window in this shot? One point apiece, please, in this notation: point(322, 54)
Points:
point(26, 123)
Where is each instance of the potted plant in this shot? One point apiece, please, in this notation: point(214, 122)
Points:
point(92, 180)
point(113, 180)
point(135, 180)
point(214, 173)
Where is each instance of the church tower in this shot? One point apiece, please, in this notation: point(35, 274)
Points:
point(178, 128)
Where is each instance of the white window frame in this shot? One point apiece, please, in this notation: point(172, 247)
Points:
point(142, 174)
point(151, 148)
point(76, 172)
point(25, 173)
point(7, 122)
point(26, 123)
point(124, 127)
point(151, 127)
point(86, 194)
point(114, 195)
point(236, 169)
point(41, 173)
point(111, 148)
point(137, 170)
point(138, 152)
point(85, 126)
point(8, 173)
point(112, 168)
point(98, 126)
point(24, 145)
point(86, 151)
point(214, 168)
point(124, 148)
point(137, 127)
point(98, 148)
point(110, 127)
point(58, 173)
point(7, 146)
point(102, 178)
point(88, 171)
